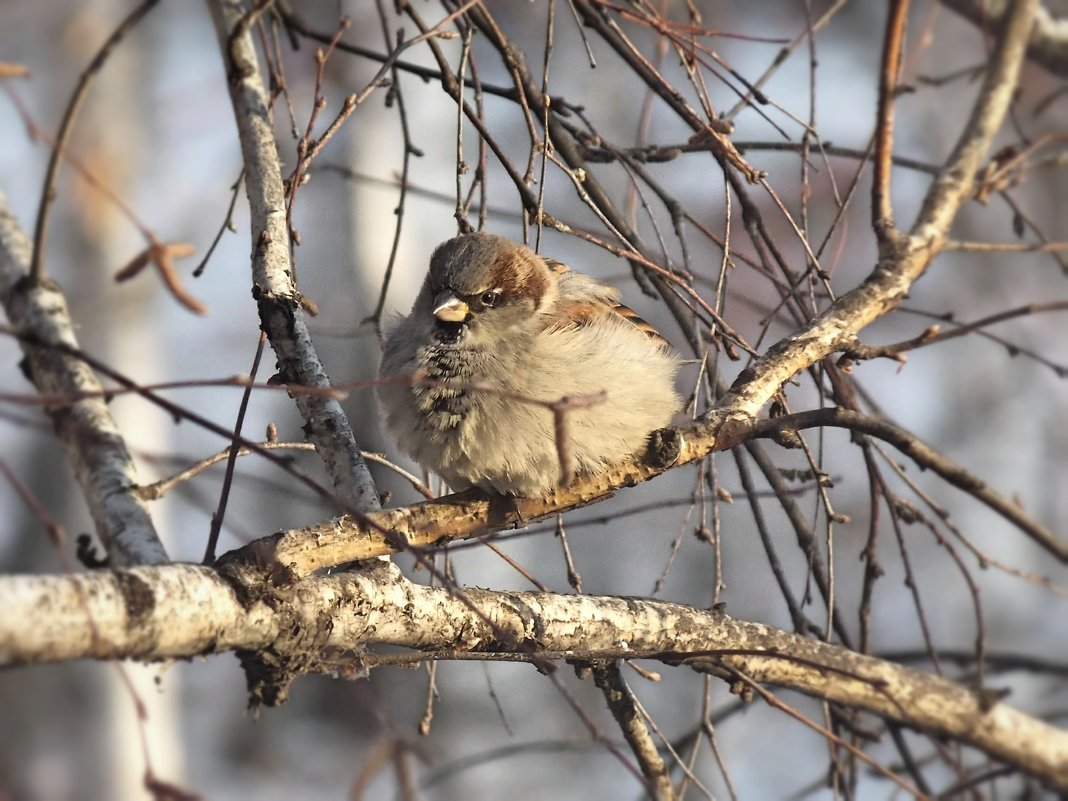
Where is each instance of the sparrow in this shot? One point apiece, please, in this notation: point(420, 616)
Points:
point(496, 334)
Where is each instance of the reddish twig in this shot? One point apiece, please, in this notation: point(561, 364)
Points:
point(882, 211)
point(66, 126)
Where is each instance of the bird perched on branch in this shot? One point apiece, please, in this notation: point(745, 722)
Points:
point(513, 372)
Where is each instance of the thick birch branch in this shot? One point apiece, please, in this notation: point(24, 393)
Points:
point(180, 611)
point(280, 304)
point(102, 465)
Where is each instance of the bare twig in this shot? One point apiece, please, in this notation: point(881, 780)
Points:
point(784, 428)
point(881, 205)
point(59, 146)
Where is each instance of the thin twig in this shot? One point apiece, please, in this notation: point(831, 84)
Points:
point(66, 126)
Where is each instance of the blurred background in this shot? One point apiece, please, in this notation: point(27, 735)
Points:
point(158, 129)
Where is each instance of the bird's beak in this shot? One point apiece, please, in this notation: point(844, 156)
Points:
point(450, 309)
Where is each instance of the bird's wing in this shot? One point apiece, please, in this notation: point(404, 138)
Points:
point(584, 301)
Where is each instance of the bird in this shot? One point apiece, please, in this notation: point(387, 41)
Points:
point(496, 337)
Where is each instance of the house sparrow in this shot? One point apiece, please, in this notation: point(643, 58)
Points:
point(496, 326)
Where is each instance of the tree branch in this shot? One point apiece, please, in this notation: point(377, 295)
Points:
point(621, 703)
point(1048, 42)
point(882, 210)
point(94, 445)
point(280, 304)
point(906, 261)
point(784, 431)
point(180, 611)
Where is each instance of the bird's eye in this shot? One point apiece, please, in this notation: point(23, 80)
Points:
point(491, 298)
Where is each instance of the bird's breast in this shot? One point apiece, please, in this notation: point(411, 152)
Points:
point(444, 396)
